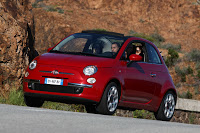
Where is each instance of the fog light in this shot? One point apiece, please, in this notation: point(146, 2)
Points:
point(91, 80)
point(31, 86)
point(26, 74)
point(78, 90)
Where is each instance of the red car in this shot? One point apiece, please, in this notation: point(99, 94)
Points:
point(104, 71)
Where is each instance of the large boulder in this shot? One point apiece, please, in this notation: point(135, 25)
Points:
point(16, 42)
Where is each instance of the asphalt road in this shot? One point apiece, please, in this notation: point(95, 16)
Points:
point(16, 119)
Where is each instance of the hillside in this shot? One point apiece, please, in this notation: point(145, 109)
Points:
point(176, 21)
point(29, 25)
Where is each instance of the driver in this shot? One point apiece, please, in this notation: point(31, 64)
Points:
point(115, 47)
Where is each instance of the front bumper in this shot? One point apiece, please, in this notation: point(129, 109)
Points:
point(76, 90)
point(72, 88)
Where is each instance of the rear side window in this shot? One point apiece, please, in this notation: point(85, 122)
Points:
point(153, 56)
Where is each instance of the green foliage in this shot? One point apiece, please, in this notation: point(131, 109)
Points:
point(34, 5)
point(143, 114)
point(157, 37)
point(171, 46)
point(187, 95)
point(198, 66)
point(196, 90)
point(189, 70)
point(141, 20)
point(60, 11)
point(198, 73)
point(194, 55)
point(172, 57)
point(180, 73)
point(51, 9)
point(16, 97)
point(192, 117)
point(183, 72)
point(100, 29)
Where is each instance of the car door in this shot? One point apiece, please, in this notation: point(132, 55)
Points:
point(139, 79)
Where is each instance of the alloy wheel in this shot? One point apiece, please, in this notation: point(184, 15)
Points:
point(169, 106)
point(112, 100)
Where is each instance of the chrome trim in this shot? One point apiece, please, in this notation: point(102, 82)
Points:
point(80, 85)
point(59, 72)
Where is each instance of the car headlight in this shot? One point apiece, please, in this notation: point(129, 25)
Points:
point(33, 65)
point(90, 70)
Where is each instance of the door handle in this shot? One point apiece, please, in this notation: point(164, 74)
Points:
point(153, 75)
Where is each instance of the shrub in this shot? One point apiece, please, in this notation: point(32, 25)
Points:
point(172, 57)
point(141, 20)
point(34, 5)
point(61, 11)
point(171, 46)
point(181, 73)
point(194, 55)
point(189, 70)
point(100, 29)
point(187, 95)
point(143, 114)
point(196, 90)
point(16, 97)
point(192, 117)
point(157, 37)
point(198, 66)
point(51, 9)
point(198, 73)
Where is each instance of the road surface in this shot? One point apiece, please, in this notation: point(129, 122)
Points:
point(18, 119)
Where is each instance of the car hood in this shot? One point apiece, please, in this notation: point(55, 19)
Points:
point(74, 60)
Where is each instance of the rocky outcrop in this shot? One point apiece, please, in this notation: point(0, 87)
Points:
point(16, 42)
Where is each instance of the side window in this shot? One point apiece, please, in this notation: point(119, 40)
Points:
point(152, 55)
point(135, 47)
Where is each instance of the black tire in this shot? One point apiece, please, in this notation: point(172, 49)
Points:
point(91, 109)
point(110, 98)
point(167, 107)
point(33, 102)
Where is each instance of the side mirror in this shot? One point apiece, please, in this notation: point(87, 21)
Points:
point(49, 49)
point(134, 57)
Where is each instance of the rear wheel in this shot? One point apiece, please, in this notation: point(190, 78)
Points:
point(166, 109)
point(110, 99)
point(33, 102)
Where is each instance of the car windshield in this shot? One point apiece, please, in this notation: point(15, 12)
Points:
point(90, 45)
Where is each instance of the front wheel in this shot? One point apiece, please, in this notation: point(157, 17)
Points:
point(110, 99)
point(167, 107)
point(33, 102)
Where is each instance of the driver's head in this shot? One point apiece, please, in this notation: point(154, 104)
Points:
point(115, 47)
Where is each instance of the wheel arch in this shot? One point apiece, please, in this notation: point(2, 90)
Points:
point(168, 90)
point(118, 84)
point(115, 80)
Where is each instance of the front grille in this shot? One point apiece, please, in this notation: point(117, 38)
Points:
point(55, 88)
